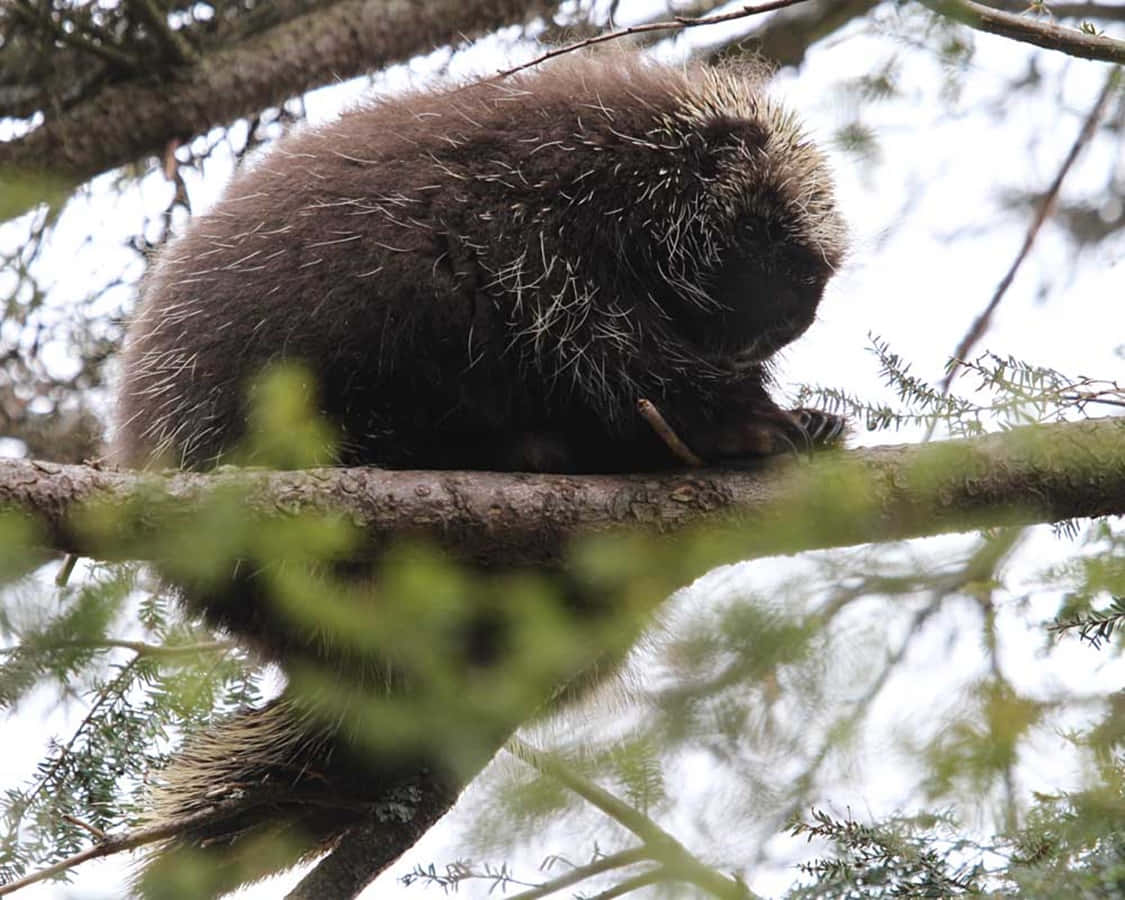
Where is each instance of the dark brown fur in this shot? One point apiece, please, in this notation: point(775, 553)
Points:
point(476, 275)
point(490, 277)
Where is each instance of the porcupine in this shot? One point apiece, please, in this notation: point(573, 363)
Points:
point(484, 277)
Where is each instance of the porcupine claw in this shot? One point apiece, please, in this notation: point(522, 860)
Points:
point(821, 429)
point(772, 433)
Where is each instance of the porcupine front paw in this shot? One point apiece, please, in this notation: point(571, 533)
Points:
point(771, 433)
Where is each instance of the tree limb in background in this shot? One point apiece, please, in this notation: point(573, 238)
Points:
point(44, 68)
point(1070, 41)
point(980, 326)
point(175, 48)
point(785, 38)
point(1112, 12)
point(111, 54)
point(130, 118)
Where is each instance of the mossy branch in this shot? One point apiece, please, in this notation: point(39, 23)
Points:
point(1027, 475)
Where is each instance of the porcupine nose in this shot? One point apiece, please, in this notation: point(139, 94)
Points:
point(768, 298)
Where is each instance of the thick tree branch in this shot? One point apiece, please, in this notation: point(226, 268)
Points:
point(128, 119)
point(1034, 474)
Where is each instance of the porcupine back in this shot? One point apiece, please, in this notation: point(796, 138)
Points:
point(484, 277)
point(510, 257)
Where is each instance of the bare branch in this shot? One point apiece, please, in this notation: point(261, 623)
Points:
point(85, 826)
point(1114, 12)
point(1070, 41)
point(677, 23)
point(1085, 134)
point(664, 431)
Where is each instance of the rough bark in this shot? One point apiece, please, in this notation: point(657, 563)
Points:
point(1033, 474)
point(128, 119)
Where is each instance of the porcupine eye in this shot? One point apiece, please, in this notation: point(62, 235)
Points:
point(768, 286)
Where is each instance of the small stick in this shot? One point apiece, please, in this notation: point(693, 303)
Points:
point(66, 569)
point(93, 829)
point(664, 431)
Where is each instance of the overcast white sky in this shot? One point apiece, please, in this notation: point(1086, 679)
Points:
point(931, 240)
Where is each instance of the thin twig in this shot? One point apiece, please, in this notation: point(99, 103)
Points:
point(984, 319)
point(115, 688)
point(66, 569)
point(664, 431)
point(676, 23)
point(93, 829)
point(1050, 10)
point(581, 873)
point(141, 648)
point(1070, 41)
point(1082, 399)
point(635, 884)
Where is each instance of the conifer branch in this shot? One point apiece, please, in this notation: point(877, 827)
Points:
point(111, 844)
